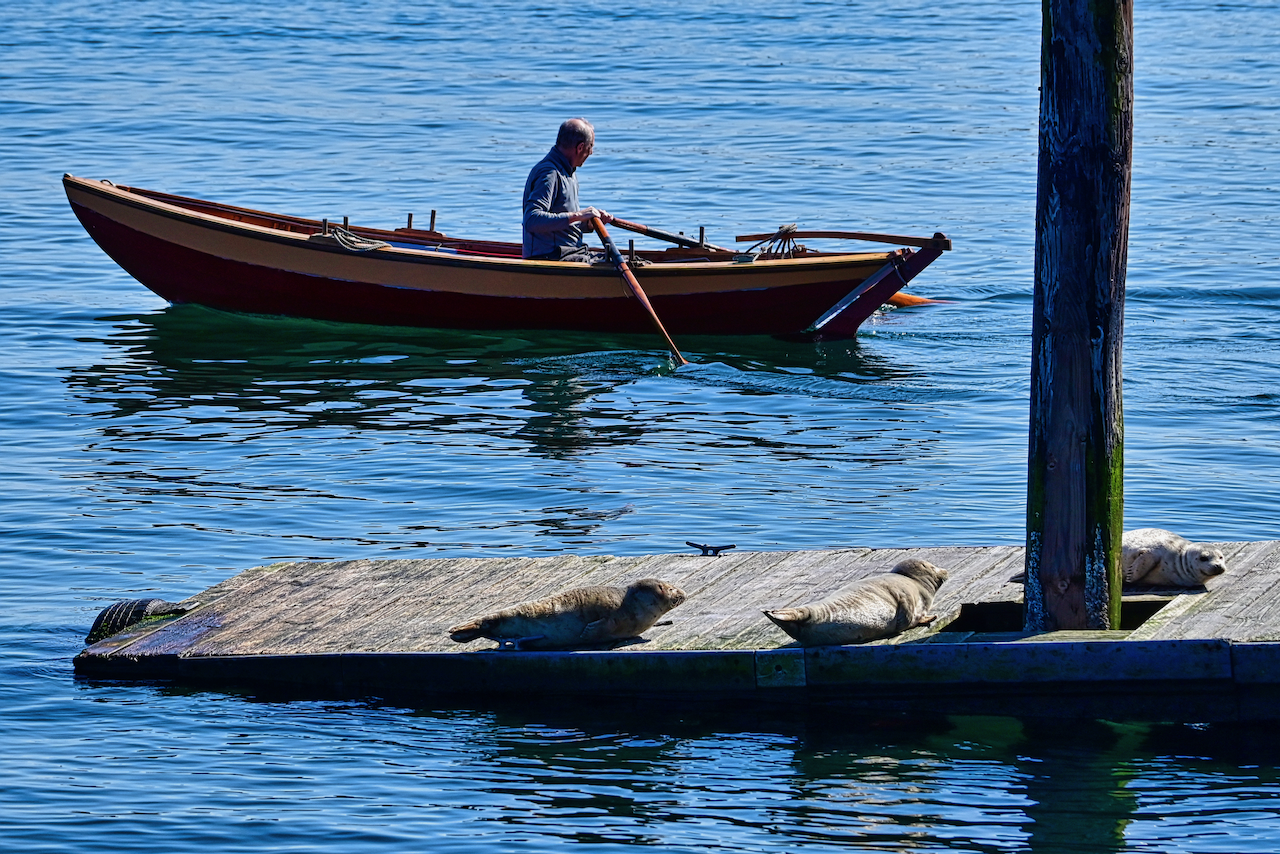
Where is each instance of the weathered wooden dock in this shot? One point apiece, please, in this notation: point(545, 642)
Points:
point(378, 628)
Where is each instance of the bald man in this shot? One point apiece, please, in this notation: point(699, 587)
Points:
point(551, 214)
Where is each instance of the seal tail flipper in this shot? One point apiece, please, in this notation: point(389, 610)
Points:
point(464, 632)
point(785, 617)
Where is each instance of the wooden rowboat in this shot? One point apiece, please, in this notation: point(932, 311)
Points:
point(235, 259)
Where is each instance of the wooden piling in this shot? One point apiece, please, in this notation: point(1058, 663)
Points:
point(1075, 495)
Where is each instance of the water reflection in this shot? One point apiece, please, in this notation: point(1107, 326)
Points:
point(438, 439)
point(881, 782)
point(1078, 785)
point(208, 365)
point(811, 779)
point(764, 776)
point(559, 422)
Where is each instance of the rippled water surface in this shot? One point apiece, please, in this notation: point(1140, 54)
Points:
point(157, 451)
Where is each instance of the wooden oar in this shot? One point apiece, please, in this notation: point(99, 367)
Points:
point(938, 241)
point(679, 239)
point(615, 257)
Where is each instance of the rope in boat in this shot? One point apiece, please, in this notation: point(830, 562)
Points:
point(780, 243)
point(355, 242)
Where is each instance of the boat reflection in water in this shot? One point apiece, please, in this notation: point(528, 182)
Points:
point(417, 438)
point(306, 374)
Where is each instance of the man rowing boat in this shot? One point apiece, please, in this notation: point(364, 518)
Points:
point(551, 214)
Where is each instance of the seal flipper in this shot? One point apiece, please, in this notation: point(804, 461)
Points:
point(464, 632)
point(785, 617)
point(608, 633)
point(1138, 564)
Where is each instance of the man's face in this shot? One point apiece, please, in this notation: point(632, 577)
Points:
point(581, 152)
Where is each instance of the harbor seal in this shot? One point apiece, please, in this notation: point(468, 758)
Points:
point(878, 607)
point(581, 617)
point(123, 615)
point(1164, 559)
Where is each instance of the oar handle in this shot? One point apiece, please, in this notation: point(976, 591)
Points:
point(615, 257)
point(680, 239)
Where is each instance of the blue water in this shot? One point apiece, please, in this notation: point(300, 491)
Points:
point(156, 451)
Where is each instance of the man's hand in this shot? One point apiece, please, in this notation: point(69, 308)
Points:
point(587, 213)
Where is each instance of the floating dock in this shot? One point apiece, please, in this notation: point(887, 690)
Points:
point(378, 628)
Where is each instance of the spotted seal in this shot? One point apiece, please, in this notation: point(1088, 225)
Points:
point(580, 617)
point(1162, 558)
point(878, 607)
point(121, 615)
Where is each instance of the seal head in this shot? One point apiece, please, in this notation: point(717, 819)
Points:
point(878, 607)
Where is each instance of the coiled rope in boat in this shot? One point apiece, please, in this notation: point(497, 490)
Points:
point(780, 243)
point(354, 242)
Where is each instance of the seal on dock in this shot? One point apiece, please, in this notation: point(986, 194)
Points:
point(122, 615)
point(878, 607)
point(580, 617)
point(1164, 559)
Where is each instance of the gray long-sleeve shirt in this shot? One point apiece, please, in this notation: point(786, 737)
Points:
point(550, 195)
